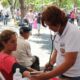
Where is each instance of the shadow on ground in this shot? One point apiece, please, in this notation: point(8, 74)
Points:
point(44, 40)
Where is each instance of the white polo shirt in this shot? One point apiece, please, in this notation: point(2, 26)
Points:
point(69, 41)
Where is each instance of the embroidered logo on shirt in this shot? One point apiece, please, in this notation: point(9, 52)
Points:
point(62, 51)
point(62, 46)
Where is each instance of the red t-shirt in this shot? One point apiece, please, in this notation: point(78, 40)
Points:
point(6, 64)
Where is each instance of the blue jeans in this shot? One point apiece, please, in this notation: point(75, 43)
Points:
point(5, 21)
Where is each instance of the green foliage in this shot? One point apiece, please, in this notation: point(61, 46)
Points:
point(78, 3)
point(17, 5)
point(4, 3)
point(38, 4)
point(66, 4)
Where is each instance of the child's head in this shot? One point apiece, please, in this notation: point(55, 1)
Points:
point(8, 40)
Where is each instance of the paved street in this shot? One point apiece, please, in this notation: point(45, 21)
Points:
point(41, 45)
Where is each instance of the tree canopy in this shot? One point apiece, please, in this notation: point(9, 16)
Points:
point(39, 3)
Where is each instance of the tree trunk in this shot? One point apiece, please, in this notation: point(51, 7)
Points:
point(12, 11)
point(12, 6)
point(22, 7)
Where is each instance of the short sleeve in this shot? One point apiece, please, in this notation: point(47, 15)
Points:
point(8, 63)
point(73, 43)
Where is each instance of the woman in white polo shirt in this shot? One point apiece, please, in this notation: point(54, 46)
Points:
point(67, 47)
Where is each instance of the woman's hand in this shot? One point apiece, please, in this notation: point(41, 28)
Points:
point(48, 67)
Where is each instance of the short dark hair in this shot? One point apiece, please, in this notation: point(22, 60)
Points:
point(24, 29)
point(54, 16)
